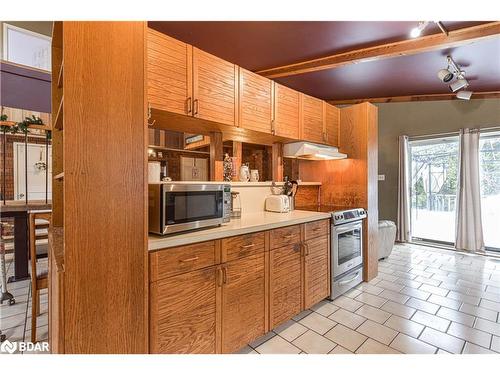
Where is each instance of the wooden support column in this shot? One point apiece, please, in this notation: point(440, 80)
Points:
point(216, 156)
point(237, 157)
point(277, 163)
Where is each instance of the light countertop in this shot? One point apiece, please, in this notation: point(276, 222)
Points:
point(251, 222)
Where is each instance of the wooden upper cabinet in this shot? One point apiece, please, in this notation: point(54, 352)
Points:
point(183, 313)
point(169, 73)
point(255, 102)
point(316, 271)
point(286, 111)
point(243, 302)
point(285, 283)
point(332, 124)
point(215, 88)
point(312, 119)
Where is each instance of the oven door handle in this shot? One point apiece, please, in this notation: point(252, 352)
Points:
point(347, 228)
point(343, 282)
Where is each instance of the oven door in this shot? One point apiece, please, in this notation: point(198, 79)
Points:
point(347, 240)
point(188, 207)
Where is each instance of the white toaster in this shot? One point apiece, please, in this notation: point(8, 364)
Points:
point(277, 203)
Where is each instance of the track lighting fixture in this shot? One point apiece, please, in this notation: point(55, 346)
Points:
point(417, 31)
point(465, 95)
point(458, 85)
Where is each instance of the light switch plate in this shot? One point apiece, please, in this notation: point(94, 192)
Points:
point(381, 177)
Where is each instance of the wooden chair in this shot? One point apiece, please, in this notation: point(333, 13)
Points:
point(39, 278)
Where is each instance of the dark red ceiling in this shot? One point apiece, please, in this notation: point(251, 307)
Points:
point(260, 45)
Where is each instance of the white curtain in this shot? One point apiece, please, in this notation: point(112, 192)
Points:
point(469, 229)
point(403, 234)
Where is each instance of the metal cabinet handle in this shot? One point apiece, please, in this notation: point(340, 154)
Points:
point(247, 246)
point(220, 277)
point(188, 260)
point(195, 107)
point(306, 248)
point(189, 105)
point(224, 275)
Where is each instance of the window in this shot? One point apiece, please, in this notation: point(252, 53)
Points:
point(489, 163)
point(433, 188)
point(26, 47)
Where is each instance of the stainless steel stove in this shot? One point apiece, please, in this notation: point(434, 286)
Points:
point(346, 246)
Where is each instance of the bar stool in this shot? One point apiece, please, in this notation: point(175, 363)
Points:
point(6, 296)
point(39, 278)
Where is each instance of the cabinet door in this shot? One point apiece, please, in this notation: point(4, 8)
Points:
point(255, 102)
point(332, 123)
point(286, 111)
point(312, 119)
point(183, 313)
point(316, 271)
point(169, 73)
point(243, 302)
point(215, 88)
point(285, 283)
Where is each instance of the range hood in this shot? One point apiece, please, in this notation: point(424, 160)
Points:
point(311, 151)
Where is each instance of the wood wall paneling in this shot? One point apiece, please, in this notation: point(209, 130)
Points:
point(216, 157)
point(255, 101)
point(104, 187)
point(277, 161)
point(215, 88)
point(169, 72)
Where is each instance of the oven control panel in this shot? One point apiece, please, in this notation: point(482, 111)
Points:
point(347, 216)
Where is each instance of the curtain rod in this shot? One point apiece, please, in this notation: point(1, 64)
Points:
point(436, 135)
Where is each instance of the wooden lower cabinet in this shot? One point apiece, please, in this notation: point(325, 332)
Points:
point(243, 302)
point(316, 271)
point(285, 283)
point(183, 313)
point(257, 283)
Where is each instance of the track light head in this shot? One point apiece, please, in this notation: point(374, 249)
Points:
point(445, 75)
point(458, 85)
point(464, 95)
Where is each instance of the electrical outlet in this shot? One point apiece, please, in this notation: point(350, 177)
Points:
point(381, 177)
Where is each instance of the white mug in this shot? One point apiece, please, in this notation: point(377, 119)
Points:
point(254, 175)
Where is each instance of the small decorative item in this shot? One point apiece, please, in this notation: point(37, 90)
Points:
point(40, 165)
point(227, 167)
point(254, 175)
point(244, 173)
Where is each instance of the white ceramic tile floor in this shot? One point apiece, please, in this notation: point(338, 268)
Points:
point(424, 300)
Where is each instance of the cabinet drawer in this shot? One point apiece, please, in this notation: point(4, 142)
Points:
point(316, 228)
point(284, 236)
point(241, 246)
point(182, 259)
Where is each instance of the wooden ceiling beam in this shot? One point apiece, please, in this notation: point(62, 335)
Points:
point(403, 48)
point(416, 98)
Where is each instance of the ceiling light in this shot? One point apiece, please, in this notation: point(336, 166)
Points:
point(417, 31)
point(445, 75)
point(465, 95)
point(459, 84)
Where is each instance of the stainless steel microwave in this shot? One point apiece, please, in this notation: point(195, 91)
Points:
point(182, 206)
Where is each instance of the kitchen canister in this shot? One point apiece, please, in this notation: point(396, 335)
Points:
point(154, 171)
point(254, 175)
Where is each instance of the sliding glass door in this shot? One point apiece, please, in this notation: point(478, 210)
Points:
point(489, 160)
point(433, 188)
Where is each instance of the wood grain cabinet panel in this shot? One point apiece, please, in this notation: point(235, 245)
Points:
point(183, 313)
point(332, 124)
point(182, 259)
point(215, 88)
point(255, 102)
point(169, 73)
point(241, 246)
point(315, 229)
point(316, 270)
point(243, 302)
point(285, 283)
point(284, 236)
point(312, 119)
point(286, 111)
